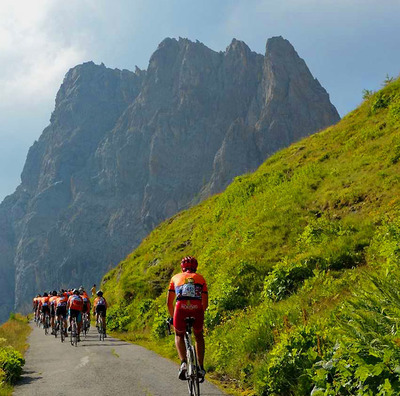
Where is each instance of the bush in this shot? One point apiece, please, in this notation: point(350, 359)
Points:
point(367, 359)
point(382, 101)
point(287, 371)
point(117, 317)
point(160, 327)
point(286, 278)
point(11, 362)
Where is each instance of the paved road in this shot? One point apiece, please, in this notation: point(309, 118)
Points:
point(101, 368)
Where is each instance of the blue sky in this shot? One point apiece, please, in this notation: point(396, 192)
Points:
point(348, 45)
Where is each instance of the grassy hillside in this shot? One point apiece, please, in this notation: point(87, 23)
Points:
point(284, 250)
point(13, 335)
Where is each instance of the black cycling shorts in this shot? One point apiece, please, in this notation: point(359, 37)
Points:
point(101, 309)
point(45, 310)
point(61, 311)
point(74, 313)
point(52, 311)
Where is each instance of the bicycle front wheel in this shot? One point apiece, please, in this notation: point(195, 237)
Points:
point(192, 373)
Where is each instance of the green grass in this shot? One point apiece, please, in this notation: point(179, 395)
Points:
point(282, 250)
point(13, 336)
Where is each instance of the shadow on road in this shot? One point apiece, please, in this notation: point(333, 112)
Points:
point(100, 343)
point(28, 376)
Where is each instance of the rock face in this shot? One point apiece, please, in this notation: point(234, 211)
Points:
point(124, 151)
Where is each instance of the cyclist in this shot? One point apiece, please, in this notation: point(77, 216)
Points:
point(190, 291)
point(100, 308)
point(52, 300)
point(86, 304)
point(44, 306)
point(35, 306)
point(61, 308)
point(75, 306)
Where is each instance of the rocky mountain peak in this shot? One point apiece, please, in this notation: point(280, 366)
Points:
point(237, 46)
point(126, 150)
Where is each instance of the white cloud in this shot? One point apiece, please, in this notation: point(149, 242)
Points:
point(32, 61)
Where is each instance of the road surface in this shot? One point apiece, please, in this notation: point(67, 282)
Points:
point(100, 368)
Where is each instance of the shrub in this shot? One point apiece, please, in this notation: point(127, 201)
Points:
point(159, 327)
point(117, 317)
point(287, 370)
point(381, 101)
point(367, 359)
point(11, 362)
point(366, 94)
point(286, 278)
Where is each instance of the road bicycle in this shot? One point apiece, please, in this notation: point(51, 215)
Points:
point(60, 326)
point(85, 323)
point(74, 332)
point(40, 321)
point(46, 324)
point(192, 367)
point(100, 327)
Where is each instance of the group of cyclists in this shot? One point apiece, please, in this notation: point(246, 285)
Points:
point(54, 307)
point(187, 297)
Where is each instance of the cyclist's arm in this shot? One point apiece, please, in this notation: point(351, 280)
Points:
point(204, 300)
point(170, 302)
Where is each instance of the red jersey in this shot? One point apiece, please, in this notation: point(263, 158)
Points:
point(75, 302)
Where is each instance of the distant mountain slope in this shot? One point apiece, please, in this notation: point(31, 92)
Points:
point(125, 151)
point(281, 248)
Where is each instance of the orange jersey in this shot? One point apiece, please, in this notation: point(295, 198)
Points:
point(61, 301)
point(188, 286)
point(99, 301)
point(44, 301)
point(75, 302)
point(52, 300)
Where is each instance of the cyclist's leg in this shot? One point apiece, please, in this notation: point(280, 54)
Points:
point(79, 322)
point(200, 347)
point(180, 328)
point(103, 317)
point(199, 336)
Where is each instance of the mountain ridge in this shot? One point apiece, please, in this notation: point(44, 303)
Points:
point(108, 168)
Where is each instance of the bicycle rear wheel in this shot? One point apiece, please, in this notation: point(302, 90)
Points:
point(46, 324)
point(101, 330)
point(62, 330)
point(74, 334)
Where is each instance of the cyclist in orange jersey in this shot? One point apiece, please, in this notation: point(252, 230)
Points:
point(86, 303)
point(52, 300)
point(190, 291)
point(44, 306)
point(75, 306)
point(37, 313)
point(61, 308)
point(100, 308)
